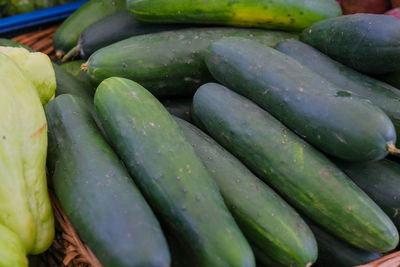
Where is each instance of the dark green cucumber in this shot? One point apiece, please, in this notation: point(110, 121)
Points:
point(67, 35)
point(8, 42)
point(179, 107)
point(381, 181)
point(292, 15)
point(381, 94)
point(333, 252)
point(263, 216)
point(327, 116)
point(264, 260)
point(299, 172)
point(97, 193)
point(170, 174)
point(167, 63)
point(114, 28)
point(74, 68)
point(365, 42)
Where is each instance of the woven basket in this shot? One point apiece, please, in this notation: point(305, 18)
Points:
point(68, 249)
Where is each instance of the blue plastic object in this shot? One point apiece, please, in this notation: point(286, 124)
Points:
point(39, 17)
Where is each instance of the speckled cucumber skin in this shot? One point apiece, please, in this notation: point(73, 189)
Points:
point(381, 94)
point(381, 181)
point(67, 35)
point(290, 15)
point(170, 174)
point(365, 42)
point(299, 172)
point(327, 116)
point(264, 217)
point(168, 63)
point(97, 193)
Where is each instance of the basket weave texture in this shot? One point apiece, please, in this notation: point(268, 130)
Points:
point(67, 248)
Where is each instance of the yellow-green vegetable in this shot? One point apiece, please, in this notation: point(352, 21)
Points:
point(24, 202)
point(37, 67)
point(12, 251)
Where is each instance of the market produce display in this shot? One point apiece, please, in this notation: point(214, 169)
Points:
point(204, 133)
point(14, 7)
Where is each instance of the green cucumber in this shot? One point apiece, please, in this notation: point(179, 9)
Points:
point(8, 42)
point(114, 28)
point(67, 35)
point(381, 181)
point(167, 63)
point(170, 174)
point(16, 7)
point(365, 42)
point(264, 260)
point(263, 216)
point(333, 252)
point(318, 110)
point(299, 172)
point(381, 94)
point(292, 15)
point(179, 107)
point(74, 68)
point(96, 192)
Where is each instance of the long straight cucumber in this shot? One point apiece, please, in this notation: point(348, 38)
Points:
point(168, 63)
point(263, 216)
point(97, 193)
point(67, 35)
point(327, 116)
point(381, 94)
point(170, 174)
point(290, 15)
point(299, 172)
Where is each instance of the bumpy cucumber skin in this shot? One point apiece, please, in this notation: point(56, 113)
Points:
point(97, 193)
point(300, 173)
point(290, 15)
point(332, 119)
point(67, 35)
point(381, 181)
point(168, 63)
point(114, 28)
point(381, 94)
point(170, 174)
point(365, 42)
point(264, 217)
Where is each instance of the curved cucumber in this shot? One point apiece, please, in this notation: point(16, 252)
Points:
point(67, 35)
point(292, 15)
point(263, 216)
point(114, 28)
point(170, 174)
point(97, 193)
point(381, 181)
point(365, 42)
point(381, 94)
point(318, 110)
point(300, 173)
point(167, 63)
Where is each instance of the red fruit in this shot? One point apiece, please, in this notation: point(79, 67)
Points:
point(365, 6)
point(395, 12)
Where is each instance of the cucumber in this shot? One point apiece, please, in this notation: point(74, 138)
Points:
point(74, 68)
point(170, 174)
point(264, 260)
point(16, 7)
point(333, 252)
point(12, 251)
point(299, 172)
point(67, 35)
point(381, 181)
point(264, 217)
point(96, 192)
point(365, 42)
point(179, 107)
point(292, 15)
point(114, 28)
point(8, 42)
point(318, 110)
point(167, 63)
point(381, 94)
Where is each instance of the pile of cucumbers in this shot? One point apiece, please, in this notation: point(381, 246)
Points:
point(226, 133)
